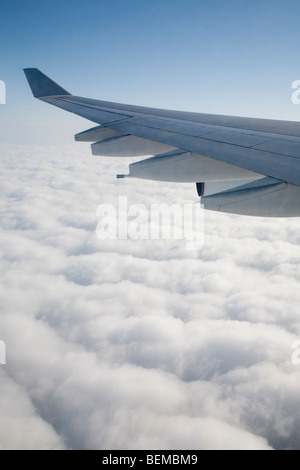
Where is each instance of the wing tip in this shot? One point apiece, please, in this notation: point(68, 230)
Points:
point(41, 85)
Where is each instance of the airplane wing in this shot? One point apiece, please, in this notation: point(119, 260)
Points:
point(240, 165)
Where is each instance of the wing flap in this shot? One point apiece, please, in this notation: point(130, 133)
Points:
point(129, 146)
point(96, 134)
point(265, 197)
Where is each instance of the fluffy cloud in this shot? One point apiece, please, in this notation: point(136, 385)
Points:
point(122, 344)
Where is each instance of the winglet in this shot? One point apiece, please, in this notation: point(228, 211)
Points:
point(41, 85)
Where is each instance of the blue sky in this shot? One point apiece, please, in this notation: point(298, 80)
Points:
point(234, 57)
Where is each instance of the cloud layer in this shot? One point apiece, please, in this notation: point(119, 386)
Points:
point(140, 344)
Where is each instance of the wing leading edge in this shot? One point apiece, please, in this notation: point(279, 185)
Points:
point(190, 147)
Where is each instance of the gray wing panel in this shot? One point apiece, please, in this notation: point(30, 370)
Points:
point(288, 128)
point(281, 147)
point(267, 147)
point(284, 128)
point(271, 164)
point(255, 151)
point(245, 137)
point(92, 113)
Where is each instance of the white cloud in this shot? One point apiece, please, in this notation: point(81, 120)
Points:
point(21, 427)
point(140, 344)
